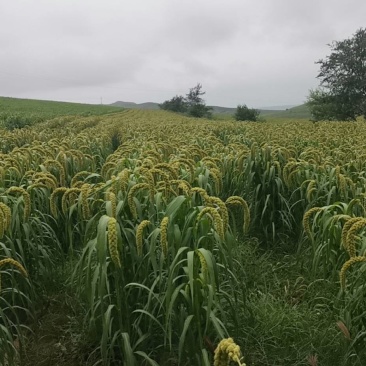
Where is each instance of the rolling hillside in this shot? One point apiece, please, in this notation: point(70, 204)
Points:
point(48, 109)
point(300, 111)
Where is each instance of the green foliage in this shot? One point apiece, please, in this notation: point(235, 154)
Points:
point(13, 121)
point(322, 105)
point(177, 104)
point(196, 105)
point(18, 113)
point(243, 113)
point(192, 105)
point(343, 75)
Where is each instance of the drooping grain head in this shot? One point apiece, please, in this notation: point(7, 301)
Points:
point(85, 189)
point(53, 200)
point(222, 210)
point(353, 238)
point(139, 234)
point(306, 220)
point(215, 217)
point(346, 266)
point(346, 228)
point(164, 235)
point(6, 211)
point(130, 197)
point(15, 264)
point(237, 200)
point(26, 199)
point(227, 351)
point(113, 241)
point(110, 196)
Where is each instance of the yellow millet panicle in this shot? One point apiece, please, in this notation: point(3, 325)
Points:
point(113, 241)
point(185, 187)
point(76, 178)
point(150, 181)
point(139, 232)
point(354, 202)
point(124, 177)
point(210, 162)
point(346, 228)
point(107, 168)
point(85, 189)
point(113, 199)
point(70, 193)
point(114, 187)
point(337, 172)
point(204, 267)
point(130, 196)
point(346, 266)
point(148, 163)
point(154, 155)
point(15, 170)
point(36, 185)
point(222, 210)
point(201, 192)
point(164, 235)
point(217, 220)
point(286, 171)
point(237, 200)
point(53, 200)
point(352, 236)
point(159, 172)
point(182, 185)
point(188, 163)
point(169, 168)
point(227, 351)
point(47, 181)
point(216, 176)
point(7, 215)
point(310, 190)
point(60, 168)
point(2, 223)
point(26, 199)
point(39, 176)
point(14, 263)
point(277, 166)
point(342, 184)
point(2, 174)
point(351, 185)
point(341, 217)
point(306, 220)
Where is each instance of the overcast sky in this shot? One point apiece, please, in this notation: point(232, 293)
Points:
point(260, 52)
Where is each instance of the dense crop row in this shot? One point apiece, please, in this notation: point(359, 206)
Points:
point(150, 206)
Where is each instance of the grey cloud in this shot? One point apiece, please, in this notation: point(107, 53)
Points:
point(259, 53)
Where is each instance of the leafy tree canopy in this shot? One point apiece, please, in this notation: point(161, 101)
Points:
point(243, 113)
point(193, 104)
point(342, 92)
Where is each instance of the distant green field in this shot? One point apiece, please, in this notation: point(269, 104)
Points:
point(14, 111)
point(299, 112)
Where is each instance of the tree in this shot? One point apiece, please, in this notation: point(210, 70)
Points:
point(192, 104)
point(177, 104)
point(342, 92)
point(196, 105)
point(243, 113)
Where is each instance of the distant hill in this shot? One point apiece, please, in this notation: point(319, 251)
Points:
point(300, 111)
point(49, 109)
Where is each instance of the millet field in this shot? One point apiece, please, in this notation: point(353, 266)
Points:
point(141, 238)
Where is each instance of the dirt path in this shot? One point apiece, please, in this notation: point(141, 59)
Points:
point(58, 338)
